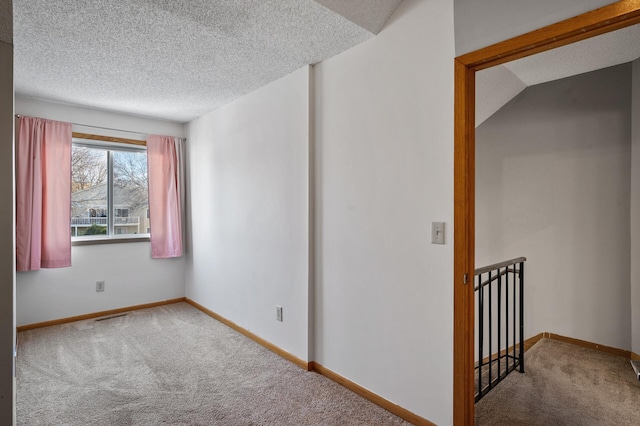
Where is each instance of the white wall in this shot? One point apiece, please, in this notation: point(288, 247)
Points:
point(552, 184)
point(109, 123)
point(7, 229)
point(131, 276)
point(635, 208)
point(384, 139)
point(483, 23)
point(249, 166)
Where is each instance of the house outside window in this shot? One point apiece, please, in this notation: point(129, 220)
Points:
point(109, 190)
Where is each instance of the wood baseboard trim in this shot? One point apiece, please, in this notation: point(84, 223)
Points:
point(320, 369)
point(98, 314)
point(259, 340)
point(367, 394)
point(589, 345)
point(528, 343)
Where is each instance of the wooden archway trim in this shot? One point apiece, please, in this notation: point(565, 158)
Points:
point(609, 18)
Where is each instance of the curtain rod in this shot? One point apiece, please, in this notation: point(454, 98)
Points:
point(103, 128)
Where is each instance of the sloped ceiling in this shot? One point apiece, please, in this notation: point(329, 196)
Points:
point(369, 14)
point(176, 60)
point(494, 89)
point(496, 86)
point(607, 50)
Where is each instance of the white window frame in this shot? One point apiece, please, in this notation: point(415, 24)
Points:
point(111, 236)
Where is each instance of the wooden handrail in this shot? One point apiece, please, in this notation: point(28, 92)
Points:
point(488, 268)
point(495, 277)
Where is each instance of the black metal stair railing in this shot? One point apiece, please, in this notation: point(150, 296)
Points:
point(499, 300)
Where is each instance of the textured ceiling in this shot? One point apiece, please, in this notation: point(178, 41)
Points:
point(171, 59)
point(6, 22)
point(496, 86)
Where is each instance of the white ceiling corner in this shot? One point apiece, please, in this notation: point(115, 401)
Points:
point(169, 59)
point(498, 85)
point(369, 14)
point(495, 87)
point(606, 50)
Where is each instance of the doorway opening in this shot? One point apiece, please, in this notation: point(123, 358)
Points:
point(597, 22)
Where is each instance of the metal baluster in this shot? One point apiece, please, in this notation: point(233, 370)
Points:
point(490, 330)
point(480, 332)
point(521, 273)
point(515, 306)
point(499, 321)
point(506, 320)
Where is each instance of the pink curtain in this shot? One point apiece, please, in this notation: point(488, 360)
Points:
point(164, 158)
point(43, 194)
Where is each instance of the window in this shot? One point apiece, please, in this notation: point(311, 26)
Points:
point(109, 194)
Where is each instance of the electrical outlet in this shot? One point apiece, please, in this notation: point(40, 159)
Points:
point(99, 285)
point(279, 313)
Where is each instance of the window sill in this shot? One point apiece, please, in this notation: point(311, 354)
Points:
point(109, 240)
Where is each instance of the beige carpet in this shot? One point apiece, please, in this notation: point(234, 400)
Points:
point(564, 384)
point(172, 365)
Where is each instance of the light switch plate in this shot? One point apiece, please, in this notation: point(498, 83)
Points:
point(437, 232)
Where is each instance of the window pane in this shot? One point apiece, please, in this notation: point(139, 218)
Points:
point(130, 193)
point(88, 192)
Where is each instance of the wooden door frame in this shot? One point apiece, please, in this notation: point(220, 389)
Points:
point(609, 18)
